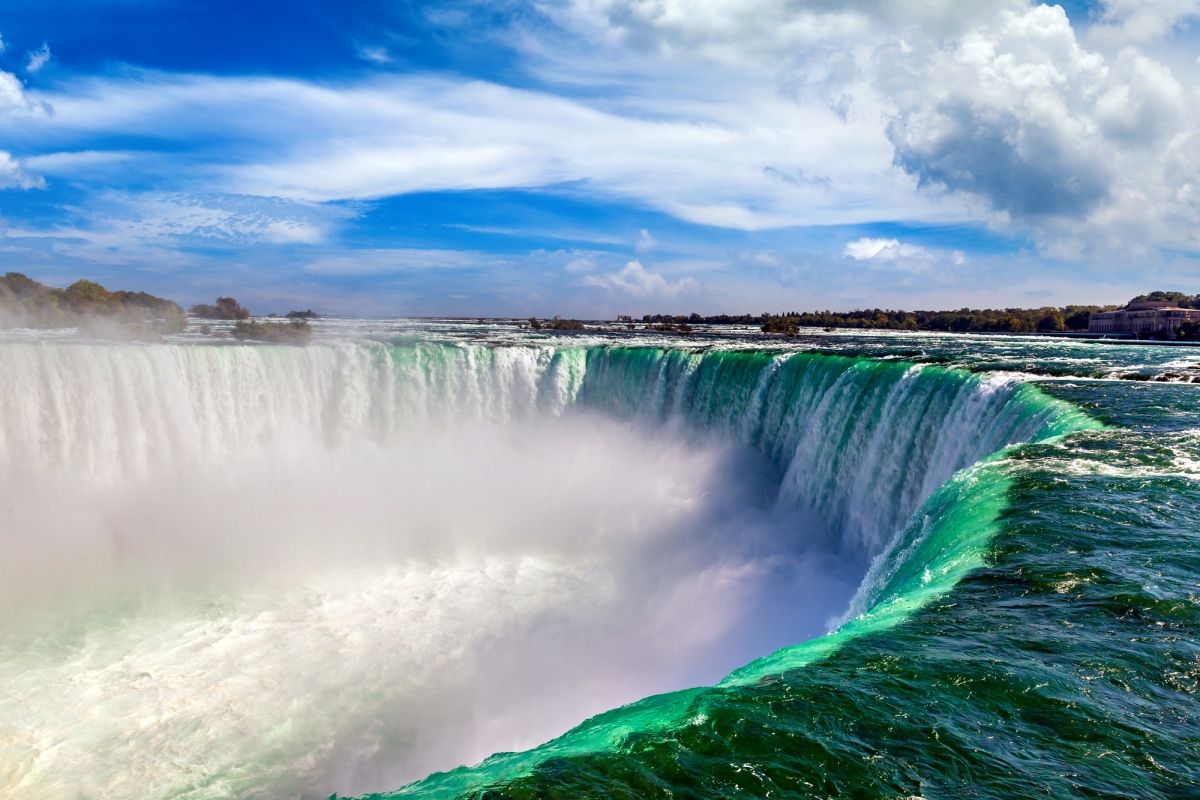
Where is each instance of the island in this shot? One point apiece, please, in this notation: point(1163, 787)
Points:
point(295, 332)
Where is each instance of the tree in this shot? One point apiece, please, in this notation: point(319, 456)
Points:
point(1053, 321)
point(225, 308)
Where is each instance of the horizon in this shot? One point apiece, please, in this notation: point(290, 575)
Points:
point(603, 157)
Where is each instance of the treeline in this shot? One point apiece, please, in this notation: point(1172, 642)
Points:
point(27, 303)
point(1048, 319)
point(696, 319)
point(226, 308)
point(1178, 298)
point(964, 320)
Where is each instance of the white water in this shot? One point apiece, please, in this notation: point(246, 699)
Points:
point(276, 572)
point(271, 573)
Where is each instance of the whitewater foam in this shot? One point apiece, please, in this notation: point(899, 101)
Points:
point(289, 571)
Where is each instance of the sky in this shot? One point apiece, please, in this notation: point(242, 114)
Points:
point(599, 157)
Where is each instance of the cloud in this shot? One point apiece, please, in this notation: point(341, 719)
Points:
point(117, 225)
point(699, 159)
point(219, 218)
point(581, 264)
point(866, 249)
point(998, 114)
point(749, 115)
point(375, 54)
point(14, 176)
point(740, 32)
point(15, 102)
point(1050, 135)
point(38, 58)
point(881, 251)
point(393, 261)
point(636, 281)
point(1140, 21)
point(645, 242)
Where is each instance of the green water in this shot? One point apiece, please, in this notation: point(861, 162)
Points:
point(1034, 631)
point(1025, 525)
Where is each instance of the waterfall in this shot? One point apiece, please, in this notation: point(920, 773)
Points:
point(275, 570)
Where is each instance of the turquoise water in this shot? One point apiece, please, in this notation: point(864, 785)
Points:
point(1036, 634)
point(1021, 518)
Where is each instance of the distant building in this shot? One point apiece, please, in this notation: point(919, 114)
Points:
point(1144, 320)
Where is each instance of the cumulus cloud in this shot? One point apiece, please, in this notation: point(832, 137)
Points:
point(882, 251)
point(1144, 20)
point(636, 281)
point(749, 31)
point(866, 249)
point(1049, 134)
point(998, 115)
point(37, 59)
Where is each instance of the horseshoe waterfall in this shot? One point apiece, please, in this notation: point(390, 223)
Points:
point(456, 560)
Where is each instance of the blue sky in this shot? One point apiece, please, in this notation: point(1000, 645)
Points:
point(595, 157)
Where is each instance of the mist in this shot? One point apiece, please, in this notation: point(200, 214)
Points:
point(303, 616)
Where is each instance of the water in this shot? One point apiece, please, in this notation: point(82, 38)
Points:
point(858, 564)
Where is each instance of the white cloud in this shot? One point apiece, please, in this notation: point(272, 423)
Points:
point(701, 159)
point(120, 222)
point(645, 242)
point(38, 58)
point(1082, 149)
point(375, 54)
point(740, 32)
point(884, 251)
point(1143, 20)
point(14, 102)
point(393, 261)
point(867, 249)
point(748, 114)
point(636, 281)
point(3, 46)
point(580, 264)
point(14, 176)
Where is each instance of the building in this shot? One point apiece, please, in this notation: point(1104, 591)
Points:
point(1151, 320)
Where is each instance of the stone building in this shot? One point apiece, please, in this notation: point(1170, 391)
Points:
point(1151, 320)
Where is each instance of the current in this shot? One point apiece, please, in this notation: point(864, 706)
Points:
point(444, 559)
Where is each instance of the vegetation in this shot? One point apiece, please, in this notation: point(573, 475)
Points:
point(964, 320)
point(1178, 298)
point(225, 308)
point(85, 304)
point(670, 327)
point(297, 332)
point(306, 314)
point(556, 324)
